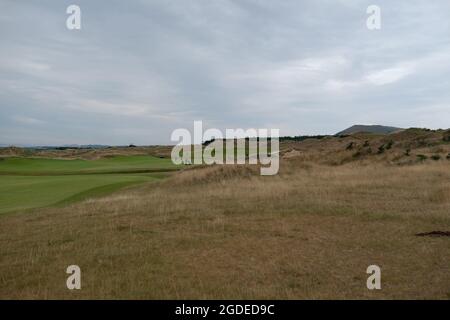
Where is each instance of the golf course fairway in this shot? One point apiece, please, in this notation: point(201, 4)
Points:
point(27, 183)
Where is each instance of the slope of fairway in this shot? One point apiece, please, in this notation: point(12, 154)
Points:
point(38, 182)
point(25, 192)
point(119, 164)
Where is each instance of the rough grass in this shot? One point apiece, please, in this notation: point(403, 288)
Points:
point(225, 232)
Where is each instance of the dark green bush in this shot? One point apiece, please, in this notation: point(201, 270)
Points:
point(422, 157)
point(436, 157)
point(389, 145)
point(357, 154)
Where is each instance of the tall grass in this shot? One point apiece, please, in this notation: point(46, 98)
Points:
point(226, 232)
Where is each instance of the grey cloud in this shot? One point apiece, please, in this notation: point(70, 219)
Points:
point(139, 69)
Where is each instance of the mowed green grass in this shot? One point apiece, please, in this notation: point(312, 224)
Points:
point(118, 164)
point(27, 183)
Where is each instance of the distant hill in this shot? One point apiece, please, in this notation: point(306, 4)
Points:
point(369, 129)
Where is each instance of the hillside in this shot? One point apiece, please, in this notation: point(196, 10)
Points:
point(368, 129)
point(408, 146)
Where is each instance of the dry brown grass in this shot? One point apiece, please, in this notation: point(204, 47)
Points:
point(225, 232)
point(88, 153)
point(402, 147)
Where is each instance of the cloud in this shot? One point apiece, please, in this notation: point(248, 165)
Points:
point(97, 106)
point(390, 75)
point(138, 70)
point(27, 120)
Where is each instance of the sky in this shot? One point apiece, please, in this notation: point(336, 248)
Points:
point(137, 70)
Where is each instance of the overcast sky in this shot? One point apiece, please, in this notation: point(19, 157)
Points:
point(139, 69)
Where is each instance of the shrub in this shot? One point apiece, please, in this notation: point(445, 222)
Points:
point(357, 154)
point(407, 151)
point(207, 142)
point(389, 145)
point(448, 156)
point(422, 157)
point(349, 146)
point(421, 143)
point(435, 157)
point(446, 137)
point(366, 143)
point(381, 149)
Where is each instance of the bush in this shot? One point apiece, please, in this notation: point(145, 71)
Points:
point(389, 145)
point(349, 146)
point(436, 157)
point(366, 143)
point(207, 142)
point(422, 157)
point(381, 149)
point(407, 151)
point(448, 156)
point(357, 154)
point(421, 143)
